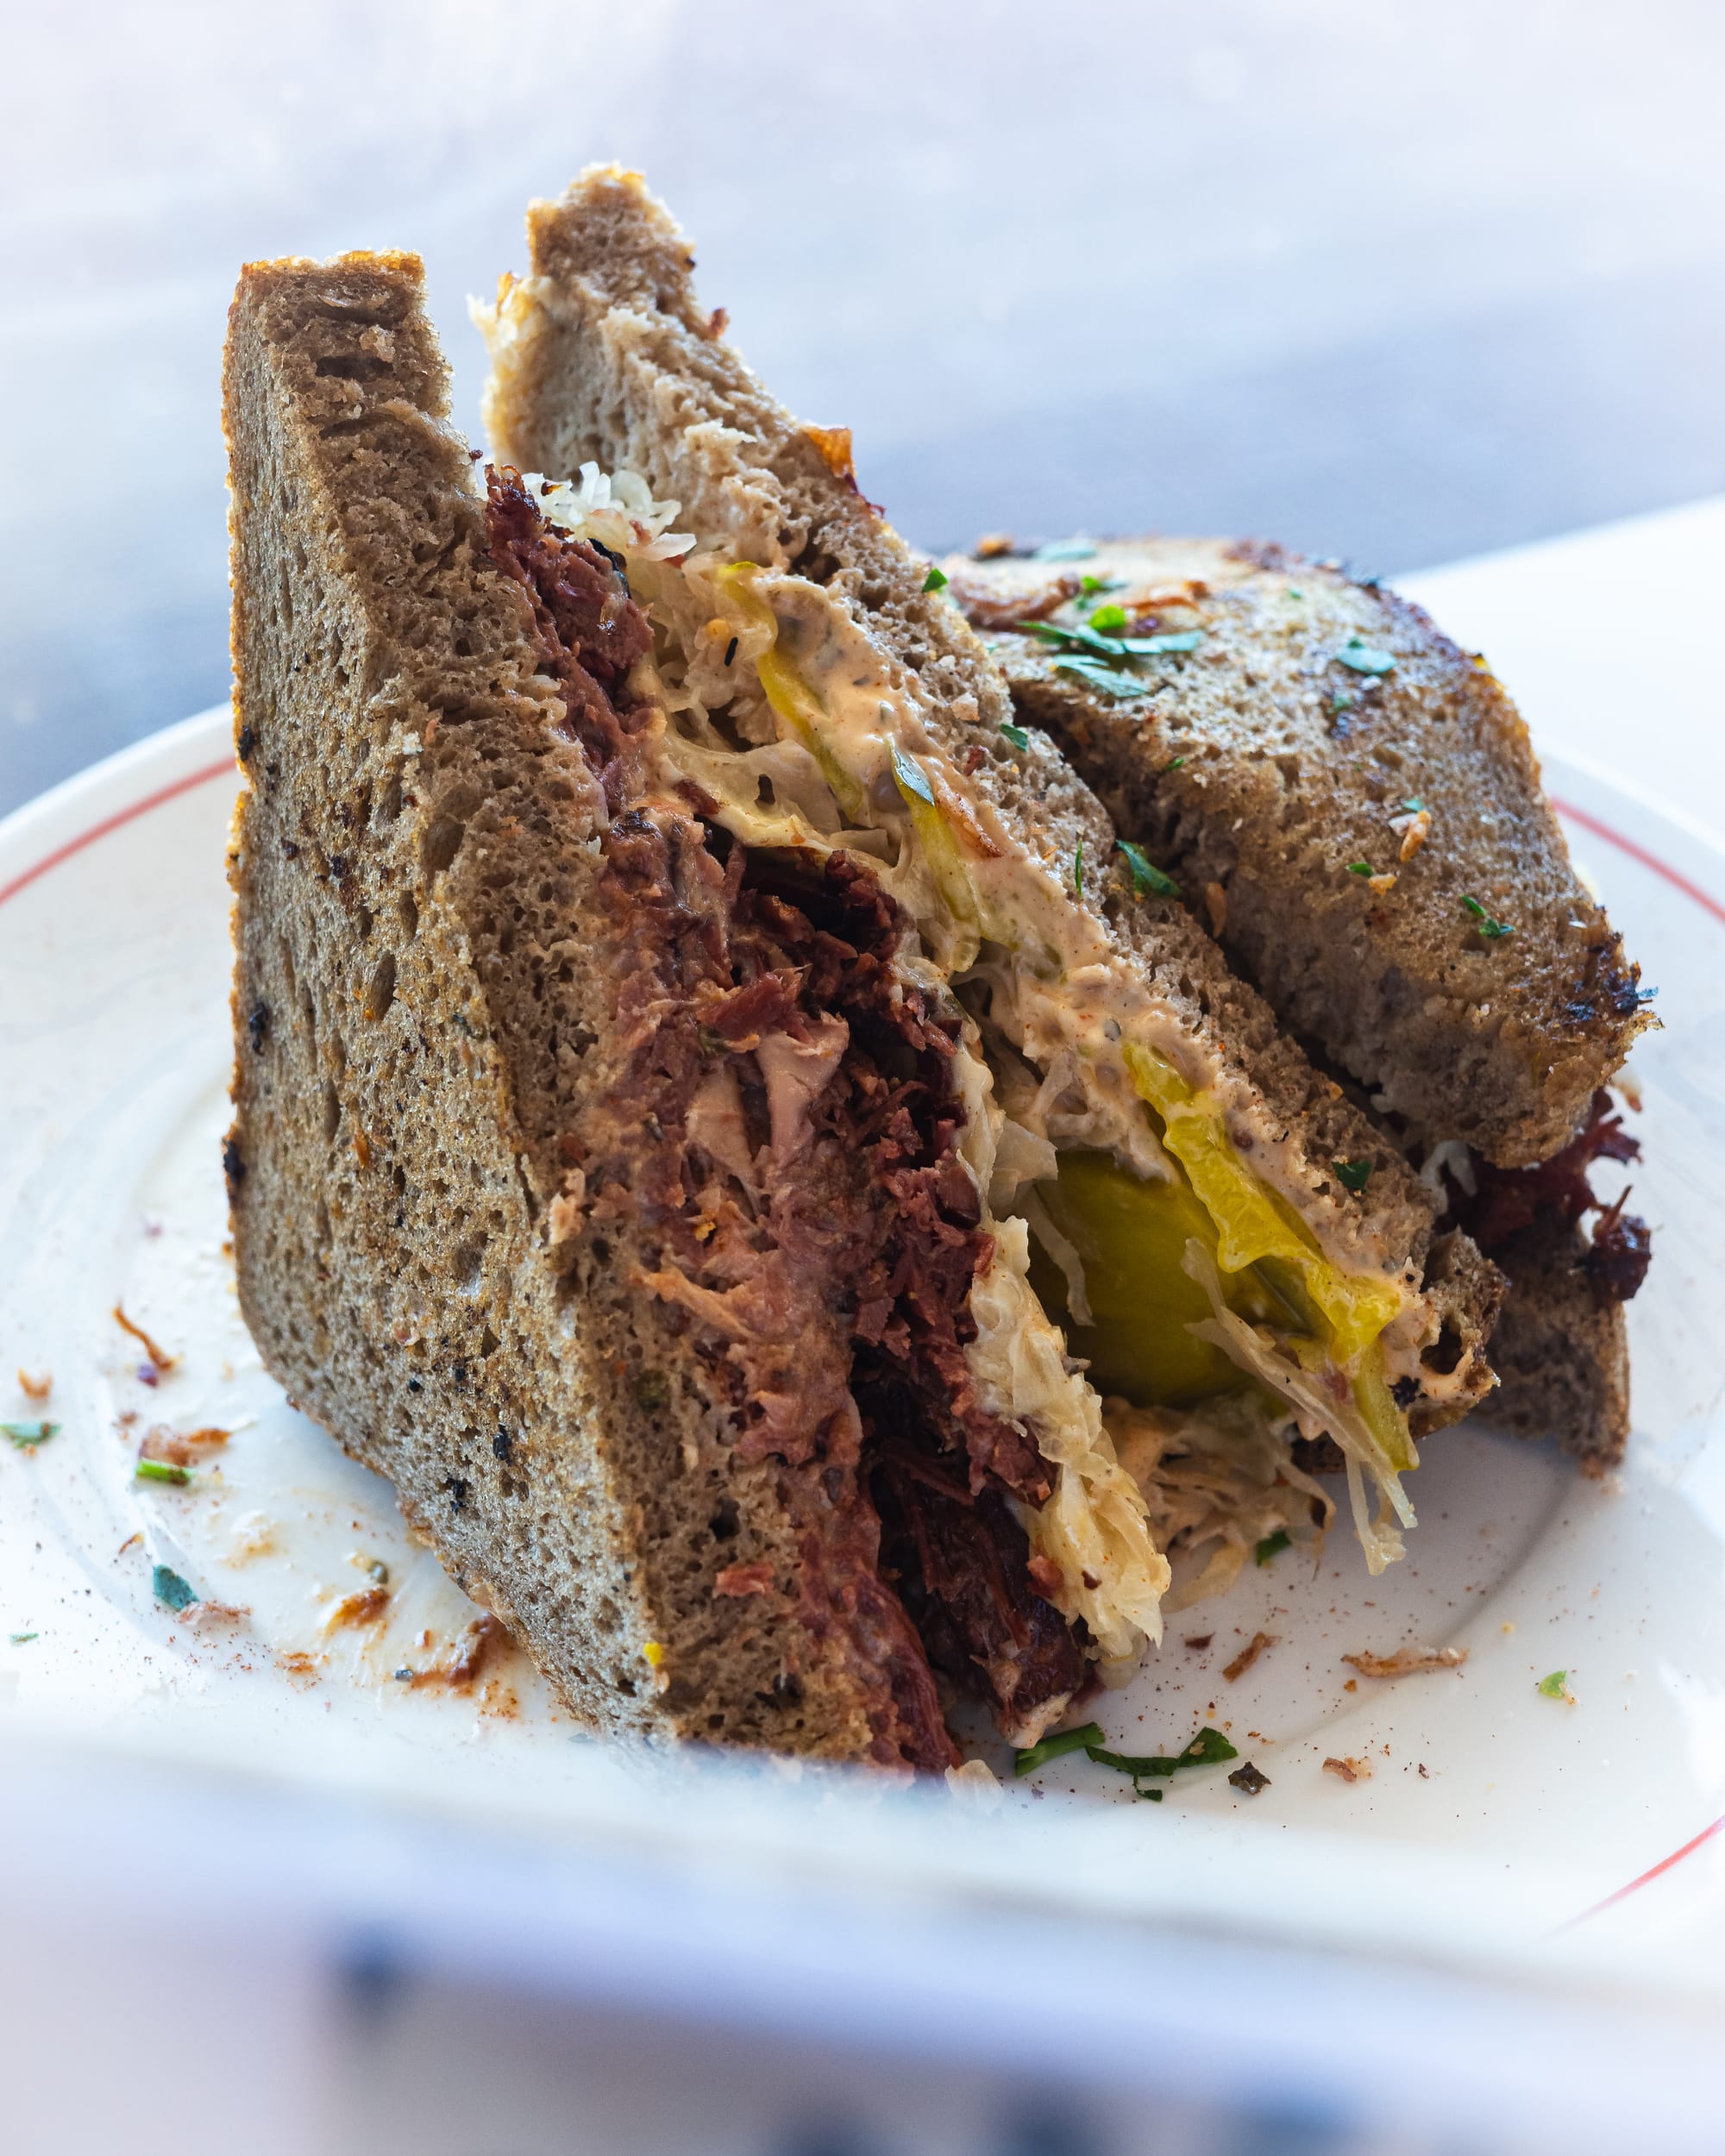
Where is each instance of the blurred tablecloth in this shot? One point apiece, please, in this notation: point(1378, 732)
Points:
point(1385, 282)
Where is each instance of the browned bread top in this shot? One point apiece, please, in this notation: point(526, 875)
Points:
point(1354, 803)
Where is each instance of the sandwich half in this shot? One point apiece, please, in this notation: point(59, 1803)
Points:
point(666, 999)
point(1352, 803)
point(1156, 1165)
point(460, 908)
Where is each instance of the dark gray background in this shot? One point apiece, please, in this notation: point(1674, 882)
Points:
point(1394, 281)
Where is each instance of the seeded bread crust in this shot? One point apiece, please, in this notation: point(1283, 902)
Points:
point(609, 358)
point(413, 867)
point(1292, 764)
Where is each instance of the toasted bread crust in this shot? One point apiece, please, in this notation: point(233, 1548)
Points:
point(1262, 768)
point(611, 359)
point(1562, 1355)
point(413, 866)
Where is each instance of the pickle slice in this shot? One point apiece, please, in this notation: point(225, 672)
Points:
point(1253, 1226)
point(1130, 1236)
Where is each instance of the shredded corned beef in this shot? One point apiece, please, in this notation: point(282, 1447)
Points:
point(1618, 1253)
point(1506, 1200)
point(781, 1149)
point(590, 630)
point(965, 1568)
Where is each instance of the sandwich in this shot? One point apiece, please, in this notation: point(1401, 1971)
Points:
point(1351, 803)
point(810, 1229)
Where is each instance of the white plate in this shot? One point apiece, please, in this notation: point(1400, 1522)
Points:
point(1495, 1821)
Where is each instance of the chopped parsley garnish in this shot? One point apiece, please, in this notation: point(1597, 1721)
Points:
point(1090, 637)
point(934, 580)
point(171, 1589)
point(1084, 649)
point(1293, 591)
point(1556, 1686)
point(1017, 736)
point(1413, 805)
point(1095, 675)
point(1353, 1175)
point(1086, 639)
point(22, 1638)
point(1066, 550)
point(1173, 764)
point(161, 1471)
point(1055, 1747)
point(1093, 587)
point(1078, 869)
point(1341, 701)
point(1109, 619)
point(1145, 875)
point(1273, 1545)
point(1360, 868)
point(1489, 927)
point(26, 1434)
point(1364, 658)
point(1209, 1748)
point(911, 776)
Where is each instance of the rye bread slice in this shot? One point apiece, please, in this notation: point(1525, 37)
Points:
point(602, 353)
point(418, 1012)
point(1261, 768)
point(1562, 1356)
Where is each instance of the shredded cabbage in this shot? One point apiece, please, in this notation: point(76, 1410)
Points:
point(1320, 1406)
point(1216, 1482)
point(1453, 1153)
point(618, 510)
point(1094, 1527)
